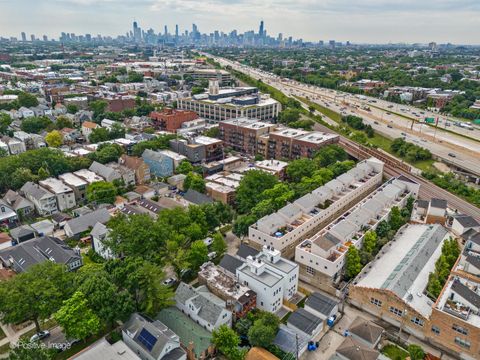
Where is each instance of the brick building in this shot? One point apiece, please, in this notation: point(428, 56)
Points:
point(243, 134)
point(172, 119)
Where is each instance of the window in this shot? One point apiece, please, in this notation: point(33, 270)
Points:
point(396, 311)
point(310, 270)
point(436, 330)
point(417, 321)
point(376, 302)
point(462, 342)
point(460, 329)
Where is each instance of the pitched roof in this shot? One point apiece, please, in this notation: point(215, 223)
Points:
point(304, 321)
point(209, 305)
point(132, 162)
point(90, 125)
point(38, 250)
point(353, 350)
point(422, 204)
point(104, 171)
point(465, 292)
point(321, 303)
point(151, 336)
point(467, 221)
point(244, 251)
point(438, 203)
point(366, 330)
point(84, 222)
point(197, 198)
point(35, 191)
point(257, 353)
point(230, 263)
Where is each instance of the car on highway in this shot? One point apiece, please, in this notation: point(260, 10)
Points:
point(452, 155)
point(40, 335)
point(375, 122)
point(389, 113)
point(404, 134)
point(390, 126)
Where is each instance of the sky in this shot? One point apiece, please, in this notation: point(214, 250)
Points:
point(358, 21)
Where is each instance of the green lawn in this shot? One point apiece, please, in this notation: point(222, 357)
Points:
point(394, 352)
point(324, 110)
point(5, 348)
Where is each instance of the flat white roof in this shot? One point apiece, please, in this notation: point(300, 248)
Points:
point(88, 175)
point(55, 186)
point(172, 154)
point(72, 180)
point(205, 140)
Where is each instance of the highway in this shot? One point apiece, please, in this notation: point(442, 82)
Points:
point(453, 149)
point(428, 190)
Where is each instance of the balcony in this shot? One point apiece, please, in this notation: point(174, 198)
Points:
point(457, 309)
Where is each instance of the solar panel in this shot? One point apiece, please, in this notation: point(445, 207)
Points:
point(147, 339)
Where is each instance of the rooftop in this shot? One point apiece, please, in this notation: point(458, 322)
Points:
point(72, 180)
point(404, 264)
point(55, 185)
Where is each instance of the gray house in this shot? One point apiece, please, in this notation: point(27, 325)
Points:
point(152, 340)
point(106, 172)
point(78, 225)
point(21, 257)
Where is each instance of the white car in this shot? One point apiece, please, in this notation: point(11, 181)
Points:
point(40, 335)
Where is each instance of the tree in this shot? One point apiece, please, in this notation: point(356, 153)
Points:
point(396, 218)
point(106, 153)
point(329, 155)
point(24, 350)
point(54, 138)
point(227, 341)
point(72, 108)
point(27, 100)
point(251, 187)
point(382, 229)
point(34, 294)
point(242, 223)
point(370, 241)
point(288, 116)
point(20, 176)
point(98, 107)
point(243, 325)
point(219, 245)
point(195, 182)
point(185, 167)
point(143, 281)
point(63, 122)
point(261, 335)
point(106, 300)
point(77, 318)
point(5, 121)
point(416, 352)
point(101, 192)
point(35, 124)
point(98, 135)
point(198, 254)
point(133, 76)
point(297, 169)
point(353, 263)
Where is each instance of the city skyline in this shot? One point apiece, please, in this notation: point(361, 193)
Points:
point(360, 22)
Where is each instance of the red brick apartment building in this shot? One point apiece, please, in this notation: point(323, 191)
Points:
point(172, 119)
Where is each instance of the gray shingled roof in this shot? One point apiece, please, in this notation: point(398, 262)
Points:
point(210, 310)
point(35, 191)
point(85, 222)
point(321, 303)
point(304, 321)
point(162, 334)
point(438, 203)
point(230, 263)
point(465, 292)
point(104, 171)
point(197, 198)
point(467, 221)
point(353, 350)
point(38, 250)
point(366, 330)
point(245, 250)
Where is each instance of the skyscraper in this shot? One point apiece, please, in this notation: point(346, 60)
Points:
point(24, 36)
point(260, 30)
point(176, 31)
point(137, 32)
point(165, 31)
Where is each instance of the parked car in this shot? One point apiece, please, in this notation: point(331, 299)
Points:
point(452, 155)
point(169, 281)
point(40, 335)
point(208, 241)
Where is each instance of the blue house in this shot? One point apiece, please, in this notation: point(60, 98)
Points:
point(159, 164)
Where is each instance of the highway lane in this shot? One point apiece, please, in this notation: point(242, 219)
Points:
point(451, 148)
